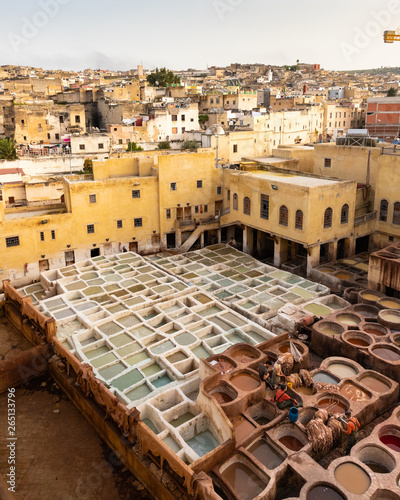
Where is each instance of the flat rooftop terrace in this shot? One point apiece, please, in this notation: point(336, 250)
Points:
point(293, 178)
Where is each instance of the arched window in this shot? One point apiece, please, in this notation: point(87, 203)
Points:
point(246, 206)
point(344, 215)
point(235, 202)
point(328, 217)
point(299, 220)
point(283, 216)
point(396, 213)
point(383, 211)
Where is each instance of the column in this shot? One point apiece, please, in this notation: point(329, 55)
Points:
point(202, 240)
point(280, 252)
point(245, 244)
point(332, 251)
point(313, 255)
point(219, 235)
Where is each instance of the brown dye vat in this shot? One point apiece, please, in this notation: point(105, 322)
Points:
point(342, 276)
point(353, 478)
point(322, 492)
point(291, 442)
point(306, 391)
point(357, 342)
point(378, 468)
point(375, 329)
point(242, 428)
point(265, 454)
point(332, 405)
point(262, 420)
point(243, 356)
point(354, 393)
point(222, 397)
point(243, 480)
point(284, 348)
point(245, 382)
point(375, 384)
point(386, 353)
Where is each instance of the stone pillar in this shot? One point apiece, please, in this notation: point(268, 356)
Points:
point(219, 235)
point(280, 252)
point(349, 247)
point(245, 244)
point(178, 239)
point(202, 240)
point(332, 251)
point(313, 255)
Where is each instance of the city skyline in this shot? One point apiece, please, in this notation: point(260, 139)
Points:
point(65, 34)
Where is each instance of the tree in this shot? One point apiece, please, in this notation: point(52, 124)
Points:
point(164, 145)
point(7, 149)
point(392, 92)
point(88, 166)
point(162, 78)
point(203, 119)
point(190, 145)
point(132, 146)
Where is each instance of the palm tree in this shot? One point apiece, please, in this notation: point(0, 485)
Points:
point(7, 149)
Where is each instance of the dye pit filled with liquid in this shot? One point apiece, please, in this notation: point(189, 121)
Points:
point(243, 480)
point(353, 478)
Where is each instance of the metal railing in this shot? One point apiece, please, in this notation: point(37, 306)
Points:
point(392, 150)
point(362, 219)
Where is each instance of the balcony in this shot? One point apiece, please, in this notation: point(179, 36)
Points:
point(363, 219)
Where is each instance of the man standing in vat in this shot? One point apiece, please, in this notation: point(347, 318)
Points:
point(264, 372)
point(352, 427)
point(282, 398)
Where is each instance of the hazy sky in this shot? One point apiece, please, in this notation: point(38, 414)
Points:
point(119, 34)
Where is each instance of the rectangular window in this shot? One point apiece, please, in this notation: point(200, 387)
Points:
point(173, 186)
point(1, 195)
point(41, 236)
point(228, 194)
point(57, 137)
point(12, 241)
point(183, 118)
point(120, 141)
point(264, 211)
point(119, 224)
point(199, 184)
point(53, 234)
point(196, 209)
point(136, 193)
point(205, 209)
point(61, 119)
point(92, 198)
point(48, 136)
point(22, 122)
point(82, 147)
point(77, 119)
point(168, 213)
point(327, 162)
point(174, 130)
point(219, 189)
point(183, 130)
point(90, 228)
point(101, 145)
point(174, 118)
point(155, 239)
point(138, 222)
point(235, 148)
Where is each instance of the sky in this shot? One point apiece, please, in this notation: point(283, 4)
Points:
point(182, 34)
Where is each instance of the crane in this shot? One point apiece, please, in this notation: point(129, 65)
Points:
point(391, 36)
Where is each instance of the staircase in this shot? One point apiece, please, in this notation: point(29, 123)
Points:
point(197, 233)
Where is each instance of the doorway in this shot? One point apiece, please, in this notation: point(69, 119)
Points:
point(69, 258)
point(95, 252)
point(171, 240)
point(43, 265)
point(133, 246)
point(362, 244)
point(188, 213)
